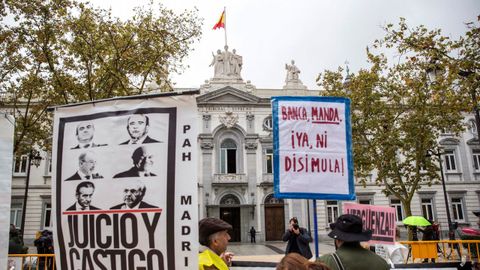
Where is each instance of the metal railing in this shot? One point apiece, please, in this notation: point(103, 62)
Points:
point(31, 261)
point(443, 250)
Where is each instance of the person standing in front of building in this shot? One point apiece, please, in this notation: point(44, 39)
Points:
point(298, 239)
point(213, 235)
point(347, 233)
point(252, 234)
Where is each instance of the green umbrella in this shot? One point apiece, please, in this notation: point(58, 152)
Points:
point(416, 221)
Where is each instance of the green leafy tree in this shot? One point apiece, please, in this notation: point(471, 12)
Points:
point(398, 112)
point(63, 51)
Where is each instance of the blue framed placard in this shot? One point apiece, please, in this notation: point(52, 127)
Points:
point(312, 148)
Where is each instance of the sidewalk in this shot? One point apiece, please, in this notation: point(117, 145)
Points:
point(270, 251)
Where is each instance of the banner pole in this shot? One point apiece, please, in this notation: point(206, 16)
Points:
point(315, 226)
point(225, 26)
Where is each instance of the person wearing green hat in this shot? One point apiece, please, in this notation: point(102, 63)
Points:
point(347, 233)
point(213, 235)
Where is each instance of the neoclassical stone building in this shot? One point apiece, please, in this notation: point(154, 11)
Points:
point(235, 180)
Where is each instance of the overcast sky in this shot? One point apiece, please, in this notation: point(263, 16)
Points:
point(317, 34)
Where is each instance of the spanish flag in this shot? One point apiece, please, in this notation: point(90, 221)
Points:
point(221, 22)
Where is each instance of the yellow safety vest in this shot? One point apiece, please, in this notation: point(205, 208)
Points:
point(210, 260)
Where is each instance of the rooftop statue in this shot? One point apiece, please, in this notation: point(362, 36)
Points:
point(292, 73)
point(226, 64)
point(292, 80)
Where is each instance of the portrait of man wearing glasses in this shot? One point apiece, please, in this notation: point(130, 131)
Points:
point(133, 194)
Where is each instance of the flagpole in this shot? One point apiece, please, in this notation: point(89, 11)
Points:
point(225, 26)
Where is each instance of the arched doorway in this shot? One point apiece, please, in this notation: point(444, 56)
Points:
point(230, 213)
point(274, 218)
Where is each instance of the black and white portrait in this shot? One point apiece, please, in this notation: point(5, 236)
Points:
point(142, 161)
point(133, 194)
point(86, 167)
point(137, 127)
point(83, 194)
point(85, 132)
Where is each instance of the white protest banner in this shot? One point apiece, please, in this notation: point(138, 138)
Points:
point(7, 126)
point(124, 191)
point(312, 148)
point(380, 219)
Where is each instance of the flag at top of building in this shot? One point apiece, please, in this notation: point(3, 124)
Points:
point(221, 21)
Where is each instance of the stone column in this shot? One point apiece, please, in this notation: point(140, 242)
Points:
point(206, 147)
point(251, 143)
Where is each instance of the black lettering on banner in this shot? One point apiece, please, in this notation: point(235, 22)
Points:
point(70, 230)
point(131, 254)
point(76, 235)
point(73, 251)
point(159, 255)
point(87, 259)
point(151, 227)
point(187, 156)
point(91, 228)
point(116, 240)
point(186, 215)
point(97, 261)
point(108, 239)
point(186, 245)
point(186, 143)
point(134, 231)
point(185, 230)
point(113, 261)
point(186, 200)
point(117, 259)
point(186, 261)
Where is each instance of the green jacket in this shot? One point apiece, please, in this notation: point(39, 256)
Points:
point(356, 258)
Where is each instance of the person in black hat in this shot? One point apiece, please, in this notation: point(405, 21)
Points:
point(347, 233)
point(213, 234)
point(298, 239)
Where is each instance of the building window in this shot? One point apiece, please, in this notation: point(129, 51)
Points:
point(332, 211)
point(50, 164)
point(272, 200)
point(427, 208)
point(20, 164)
point(450, 164)
point(229, 200)
point(397, 204)
point(228, 156)
point(269, 160)
point(47, 213)
point(16, 213)
point(476, 159)
point(364, 201)
point(457, 206)
point(267, 123)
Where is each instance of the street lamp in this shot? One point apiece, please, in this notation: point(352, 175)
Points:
point(35, 159)
point(438, 154)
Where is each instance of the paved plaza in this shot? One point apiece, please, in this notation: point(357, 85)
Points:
point(270, 251)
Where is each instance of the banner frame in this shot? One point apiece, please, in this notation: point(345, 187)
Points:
point(349, 150)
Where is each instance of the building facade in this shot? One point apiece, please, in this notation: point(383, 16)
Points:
point(235, 167)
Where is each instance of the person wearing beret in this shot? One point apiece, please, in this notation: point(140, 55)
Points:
point(347, 233)
point(213, 234)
